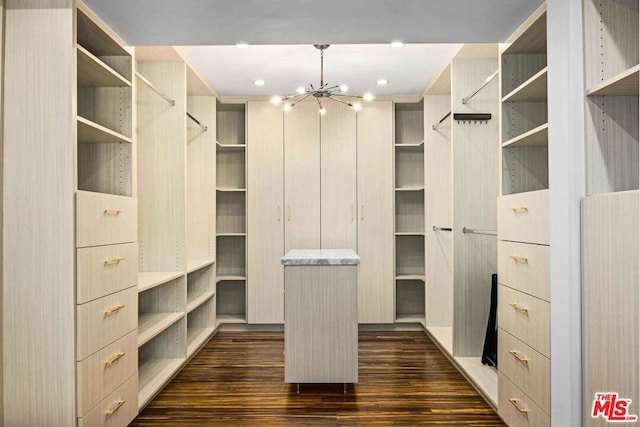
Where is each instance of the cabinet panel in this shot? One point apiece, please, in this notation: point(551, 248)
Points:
point(116, 410)
point(265, 206)
point(524, 217)
point(516, 408)
point(524, 267)
point(104, 219)
point(525, 317)
point(103, 270)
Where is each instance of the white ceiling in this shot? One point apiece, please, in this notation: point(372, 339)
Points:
point(206, 26)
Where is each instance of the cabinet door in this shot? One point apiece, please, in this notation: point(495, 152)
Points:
point(338, 177)
point(375, 213)
point(302, 176)
point(265, 199)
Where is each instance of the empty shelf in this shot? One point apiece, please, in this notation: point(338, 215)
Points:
point(534, 89)
point(92, 72)
point(410, 318)
point(231, 190)
point(196, 337)
point(197, 264)
point(410, 233)
point(230, 146)
point(419, 144)
point(625, 83)
point(148, 280)
point(537, 137)
point(196, 299)
point(152, 324)
point(231, 234)
point(411, 277)
point(230, 318)
point(230, 279)
point(410, 189)
point(153, 374)
point(484, 377)
point(93, 133)
point(444, 337)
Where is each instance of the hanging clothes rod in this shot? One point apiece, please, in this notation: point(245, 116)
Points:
point(483, 232)
point(435, 228)
point(171, 102)
point(204, 128)
point(486, 82)
point(435, 127)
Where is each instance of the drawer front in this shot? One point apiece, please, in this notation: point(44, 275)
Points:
point(529, 370)
point(105, 320)
point(117, 410)
point(105, 371)
point(516, 409)
point(524, 217)
point(524, 267)
point(103, 270)
point(104, 219)
point(524, 317)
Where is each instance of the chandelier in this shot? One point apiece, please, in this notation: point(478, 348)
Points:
point(322, 92)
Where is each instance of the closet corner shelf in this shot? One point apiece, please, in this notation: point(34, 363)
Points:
point(410, 233)
point(230, 279)
point(419, 144)
point(153, 374)
point(231, 234)
point(151, 325)
point(534, 89)
point(444, 337)
point(532, 39)
point(96, 40)
point(625, 83)
point(196, 337)
point(231, 146)
point(420, 277)
point(149, 280)
point(198, 264)
point(93, 133)
point(485, 378)
point(196, 299)
point(92, 72)
point(410, 318)
point(410, 189)
point(230, 318)
point(538, 137)
point(231, 190)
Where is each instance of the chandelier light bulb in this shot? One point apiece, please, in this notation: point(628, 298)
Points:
point(368, 96)
point(242, 45)
point(276, 100)
point(323, 111)
point(397, 43)
point(357, 106)
point(287, 107)
point(301, 90)
point(344, 88)
point(259, 82)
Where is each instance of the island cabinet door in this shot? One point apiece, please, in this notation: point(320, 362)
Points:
point(375, 212)
point(265, 207)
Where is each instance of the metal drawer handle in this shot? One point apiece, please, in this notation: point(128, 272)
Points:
point(515, 403)
point(520, 209)
point(518, 307)
point(113, 211)
point(119, 404)
point(519, 259)
point(113, 310)
point(116, 260)
point(520, 358)
point(114, 359)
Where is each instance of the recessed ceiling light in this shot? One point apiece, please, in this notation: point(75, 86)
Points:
point(368, 97)
point(258, 82)
point(242, 45)
point(382, 82)
point(275, 100)
point(397, 43)
point(301, 90)
point(344, 88)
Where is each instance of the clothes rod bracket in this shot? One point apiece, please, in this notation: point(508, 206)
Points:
point(144, 80)
point(466, 230)
point(485, 84)
point(436, 228)
point(472, 117)
point(204, 128)
point(446, 116)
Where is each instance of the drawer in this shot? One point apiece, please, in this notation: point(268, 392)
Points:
point(516, 409)
point(524, 217)
point(524, 267)
point(529, 370)
point(104, 219)
point(117, 410)
point(105, 320)
point(103, 270)
point(105, 371)
point(525, 317)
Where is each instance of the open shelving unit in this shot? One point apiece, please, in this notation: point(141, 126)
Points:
point(409, 213)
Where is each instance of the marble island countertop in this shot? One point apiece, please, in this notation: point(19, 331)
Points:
point(321, 257)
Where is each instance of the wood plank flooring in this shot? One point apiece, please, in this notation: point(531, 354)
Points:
point(237, 380)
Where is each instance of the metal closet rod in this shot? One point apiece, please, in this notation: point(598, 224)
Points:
point(446, 116)
point(204, 128)
point(436, 228)
point(486, 82)
point(476, 231)
point(144, 80)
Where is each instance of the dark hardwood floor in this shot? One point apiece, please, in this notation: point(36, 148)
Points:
point(237, 380)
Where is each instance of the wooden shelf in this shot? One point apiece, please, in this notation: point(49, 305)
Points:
point(153, 374)
point(93, 133)
point(538, 137)
point(625, 83)
point(485, 378)
point(196, 337)
point(419, 144)
point(230, 318)
point(444, 337)
point(94, 39)
point(149, 280)
point(196, 299)
point(152, 324)
point(231, 190)
point(421, 277)
point(230, 147)
point(531, 37)
point(410, 233)
point(197, 264)
point(230, 279)
point(410, 189)
point(534, 89)
point(92, 72)
point(410, 318)
point(231, 234)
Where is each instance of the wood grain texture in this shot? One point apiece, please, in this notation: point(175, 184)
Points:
point(409, 255)
point(438, 212)
point(610, 295)
point(524, 217)
point(410, 299)
point(531, 36)
point(230, 124)
point(104, 219)
point(321, 324)
point(231, 256)
point(39, 216)
point(409, 124)
point(410, 212)
point(338, 181)
point(302, 179)
point(230, 171)
point(124, 415)
point(518, 69)
point(404, 380)
point(265, 213)
point(524, 169)
point(534, 416)
point(231, 299)
point(526, 318)
point(409, 170)
point(521, 117)
point(524, 267)
point(110, 107)
point(106, 168)
point(200, 290)
point(474, 150)
point(231, 212)
point(375, 214)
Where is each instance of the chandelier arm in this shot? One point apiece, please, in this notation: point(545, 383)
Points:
point(349, 96)
point(301, 99)
point(321, 67)
point(319, 103)
point(340, 101)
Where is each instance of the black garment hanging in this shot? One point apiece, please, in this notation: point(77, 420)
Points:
point(490, 350)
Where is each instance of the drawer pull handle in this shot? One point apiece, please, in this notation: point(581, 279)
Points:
point(519, 308)
point(520, 409)
point(113, 211)
point(520, 209)
point(114, 359)
point(115, 409)
point(520, 259)
point(116, 260)
point(520, 358)
point(113, 310)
